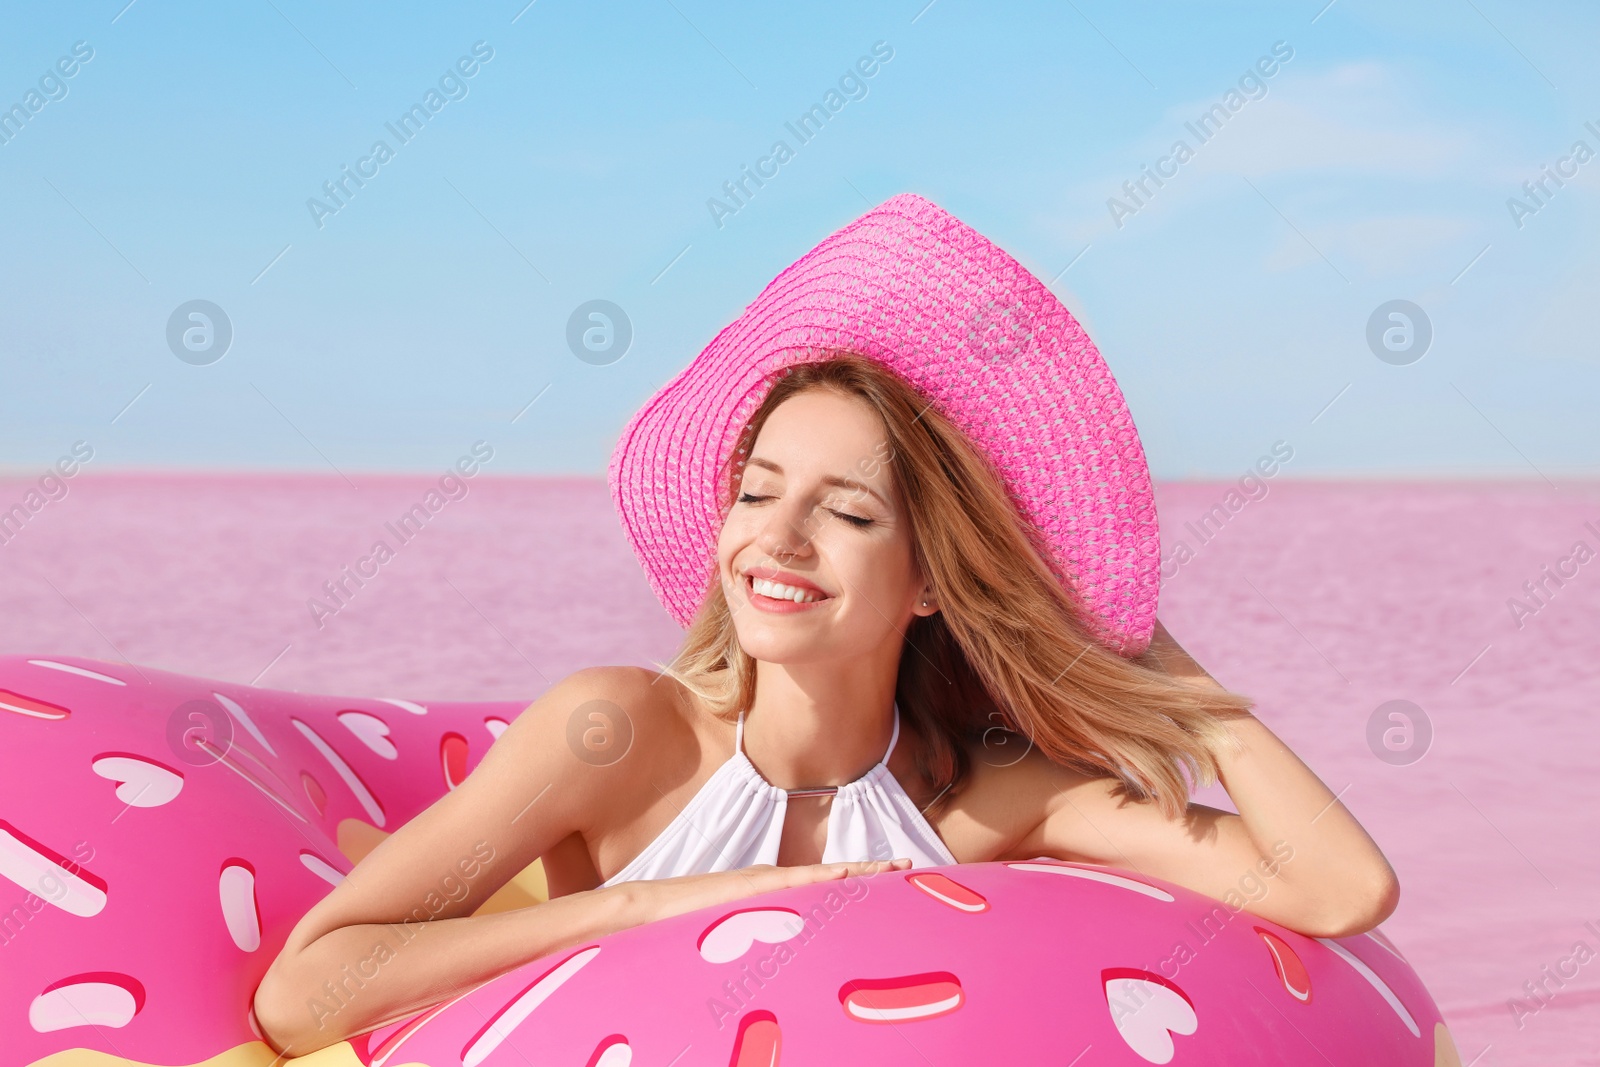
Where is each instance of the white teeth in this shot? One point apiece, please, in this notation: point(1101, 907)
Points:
point(778, 591)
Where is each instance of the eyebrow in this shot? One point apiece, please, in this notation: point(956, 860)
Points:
point(832, 479)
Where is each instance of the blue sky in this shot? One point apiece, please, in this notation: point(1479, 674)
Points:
point(577, 163)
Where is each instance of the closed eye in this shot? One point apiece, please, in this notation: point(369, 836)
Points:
point(854, 520)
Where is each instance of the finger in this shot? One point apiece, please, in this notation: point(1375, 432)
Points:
point(770, 877)
point(817, 872)
point(865, 867)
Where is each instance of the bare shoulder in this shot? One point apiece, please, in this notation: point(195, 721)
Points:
point(618, 727)
point(1011, 788)
point(654, 703)
point(605, 713)
point(632, 689)
point(1010, 767)
point(549, 777)
point(629, 738)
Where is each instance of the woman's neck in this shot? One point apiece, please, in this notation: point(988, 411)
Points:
point(819, 724)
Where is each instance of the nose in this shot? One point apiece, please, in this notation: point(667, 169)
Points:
point(786, 533)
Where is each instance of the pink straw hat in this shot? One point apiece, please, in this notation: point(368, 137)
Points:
point(909, 285)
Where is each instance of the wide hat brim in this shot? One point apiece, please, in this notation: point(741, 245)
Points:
point(987, 343)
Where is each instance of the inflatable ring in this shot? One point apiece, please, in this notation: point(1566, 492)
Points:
point(166, 832)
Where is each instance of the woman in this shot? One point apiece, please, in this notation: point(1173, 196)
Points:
point(891, 665)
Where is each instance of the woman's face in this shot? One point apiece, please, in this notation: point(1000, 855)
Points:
point(818, 510)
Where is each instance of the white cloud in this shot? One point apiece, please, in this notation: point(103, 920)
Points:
point(1353, 118)
point(1348, 118)
point(1384, 245)
point(1355, 121)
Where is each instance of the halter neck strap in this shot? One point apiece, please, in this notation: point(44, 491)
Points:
point(822, 790)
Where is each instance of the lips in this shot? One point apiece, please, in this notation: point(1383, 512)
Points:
point(789, 578)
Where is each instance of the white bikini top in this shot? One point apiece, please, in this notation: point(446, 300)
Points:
point(736, 820)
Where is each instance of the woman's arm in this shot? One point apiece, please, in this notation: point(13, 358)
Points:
point(398, 933)
point(363, 976)
point(1293, 854)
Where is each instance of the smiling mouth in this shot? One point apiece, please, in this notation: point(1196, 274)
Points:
point(770, 590)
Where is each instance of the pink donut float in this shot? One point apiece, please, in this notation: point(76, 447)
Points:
point(160, 834)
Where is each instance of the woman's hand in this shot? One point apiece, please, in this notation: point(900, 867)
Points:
point(1293, 853)
point(662, 898)
point(1167, 655)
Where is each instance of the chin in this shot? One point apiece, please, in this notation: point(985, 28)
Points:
point(765, 643)
point(772, 649)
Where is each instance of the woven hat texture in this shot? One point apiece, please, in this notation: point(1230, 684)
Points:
point(987, 343)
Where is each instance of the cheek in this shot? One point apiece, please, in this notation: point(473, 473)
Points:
point(734, 536)
point(732, 531)
point(728, 535)
point(879, 571)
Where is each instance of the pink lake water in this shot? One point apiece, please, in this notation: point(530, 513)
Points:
point(1322, 600)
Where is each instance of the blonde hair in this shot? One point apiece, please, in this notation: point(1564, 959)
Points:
point(1008, 648)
